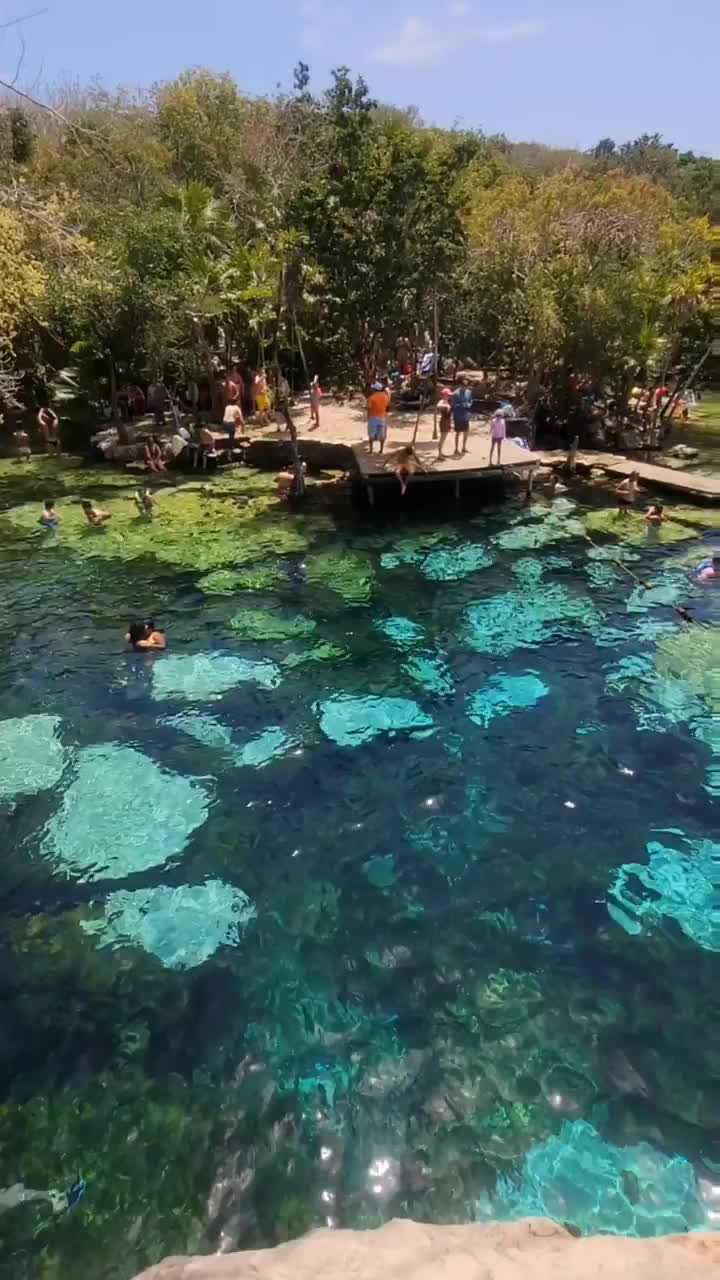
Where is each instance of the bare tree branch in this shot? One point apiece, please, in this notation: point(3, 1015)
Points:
point(21, 59)
point(77, 129)
point(24, 17)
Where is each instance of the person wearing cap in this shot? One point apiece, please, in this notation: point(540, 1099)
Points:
point(444, 419)
point(377, 410)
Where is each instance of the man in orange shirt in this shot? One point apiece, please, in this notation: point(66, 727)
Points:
point(377, 409)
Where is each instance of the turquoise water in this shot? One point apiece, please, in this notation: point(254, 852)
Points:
point(392, 888)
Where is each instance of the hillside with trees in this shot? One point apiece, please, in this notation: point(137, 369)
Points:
point(149, 234)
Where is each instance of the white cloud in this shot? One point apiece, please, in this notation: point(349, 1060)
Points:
point(421, 43)
point(417, 44)
point(508, 32)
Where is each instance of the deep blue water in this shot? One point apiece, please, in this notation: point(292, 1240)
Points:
point(289, 942)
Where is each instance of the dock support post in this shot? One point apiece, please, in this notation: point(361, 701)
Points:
point(371, 495)
point(457, 489)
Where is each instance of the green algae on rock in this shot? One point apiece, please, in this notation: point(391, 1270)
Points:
point(322, 651)
point(229, 582)
point(266, 624)
point(32, 757)
point(540, 527)
point(693, 654)
point(190, 531)
point(633, 528)
point(181, 926)
point(346, 573)
point(121, 813)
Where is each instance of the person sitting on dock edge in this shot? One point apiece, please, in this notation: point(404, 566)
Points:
point(407, 463)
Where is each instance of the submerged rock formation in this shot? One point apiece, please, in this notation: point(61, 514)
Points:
point(533, 1249)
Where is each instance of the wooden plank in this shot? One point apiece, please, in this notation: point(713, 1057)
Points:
point(692, 485)
point(475, 461)
point(669, 478)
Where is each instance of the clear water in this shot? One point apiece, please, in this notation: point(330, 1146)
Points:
point(393, 888)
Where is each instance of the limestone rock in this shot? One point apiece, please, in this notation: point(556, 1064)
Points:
point(532, 1249)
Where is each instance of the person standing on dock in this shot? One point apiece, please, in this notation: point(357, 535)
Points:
point(377, 409)
point(498, 432)
point(444, 419)
point(461, 405)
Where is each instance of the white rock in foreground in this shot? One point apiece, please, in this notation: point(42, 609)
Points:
point(533, 1249)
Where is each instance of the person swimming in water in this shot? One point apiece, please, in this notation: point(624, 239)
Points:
point(145, 635)
point(95, 515)
point(49, 518)
point(709, 570)
point(655, 514)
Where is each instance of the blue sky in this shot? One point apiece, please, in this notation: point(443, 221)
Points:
point(546, 70)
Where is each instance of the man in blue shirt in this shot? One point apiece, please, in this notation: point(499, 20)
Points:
point(461, 403)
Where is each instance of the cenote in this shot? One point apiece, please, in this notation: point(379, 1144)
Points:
point(391, 889)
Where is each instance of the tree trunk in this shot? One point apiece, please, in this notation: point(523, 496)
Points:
point(114, 410)
point(300, 348)
point(298, 489)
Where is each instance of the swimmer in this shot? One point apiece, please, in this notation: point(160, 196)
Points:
point(49, 518)
point(554, 485)
point(145, 502)
point(144, 635)
point(407, 464)
point(285, 480)
point(709, 570)
point(95, 515)
point(627, 491)
point(654, 514)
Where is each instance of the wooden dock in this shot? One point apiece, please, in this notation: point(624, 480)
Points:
point(689, 485)
point(379, 468)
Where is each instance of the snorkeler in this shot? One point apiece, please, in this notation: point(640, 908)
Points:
point(49, 518)
point(145, 502)
point(145, 635)
point(709, 570)
point(95, 515)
